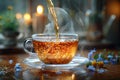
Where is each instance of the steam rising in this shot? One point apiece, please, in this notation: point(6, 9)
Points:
point(64, 21)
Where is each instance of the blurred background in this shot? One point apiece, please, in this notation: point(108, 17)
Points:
point(96, 21)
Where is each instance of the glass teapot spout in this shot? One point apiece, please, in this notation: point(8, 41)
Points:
point(107, 26)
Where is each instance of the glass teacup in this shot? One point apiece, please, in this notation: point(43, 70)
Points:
point(54, 51)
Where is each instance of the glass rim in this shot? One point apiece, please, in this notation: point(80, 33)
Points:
point(61, 34)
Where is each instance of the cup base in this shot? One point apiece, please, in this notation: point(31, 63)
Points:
point(76, 62)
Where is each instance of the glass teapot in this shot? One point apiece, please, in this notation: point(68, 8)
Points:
point(97, 30)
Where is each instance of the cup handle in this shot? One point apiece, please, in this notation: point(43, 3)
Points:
point(28, 46)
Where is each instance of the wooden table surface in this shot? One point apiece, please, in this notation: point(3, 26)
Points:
point(29, 73)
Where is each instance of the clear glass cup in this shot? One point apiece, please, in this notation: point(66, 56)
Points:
point(51, 50)
point(47, 52)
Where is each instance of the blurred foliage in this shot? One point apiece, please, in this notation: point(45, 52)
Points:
point(8, 20)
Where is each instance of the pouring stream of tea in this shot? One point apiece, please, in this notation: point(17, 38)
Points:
point(53, 13)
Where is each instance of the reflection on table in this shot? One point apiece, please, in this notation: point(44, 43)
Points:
point(7, 70)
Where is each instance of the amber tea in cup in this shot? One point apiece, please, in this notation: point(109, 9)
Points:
point(55, 51)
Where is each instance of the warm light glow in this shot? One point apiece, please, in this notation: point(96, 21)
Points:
point(18, 15)
point(40, 9)
point(113, 8)
point(27, 18)
point(73, 76)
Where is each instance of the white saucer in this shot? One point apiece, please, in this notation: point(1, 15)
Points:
point(77, 61)
point(33, 62)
